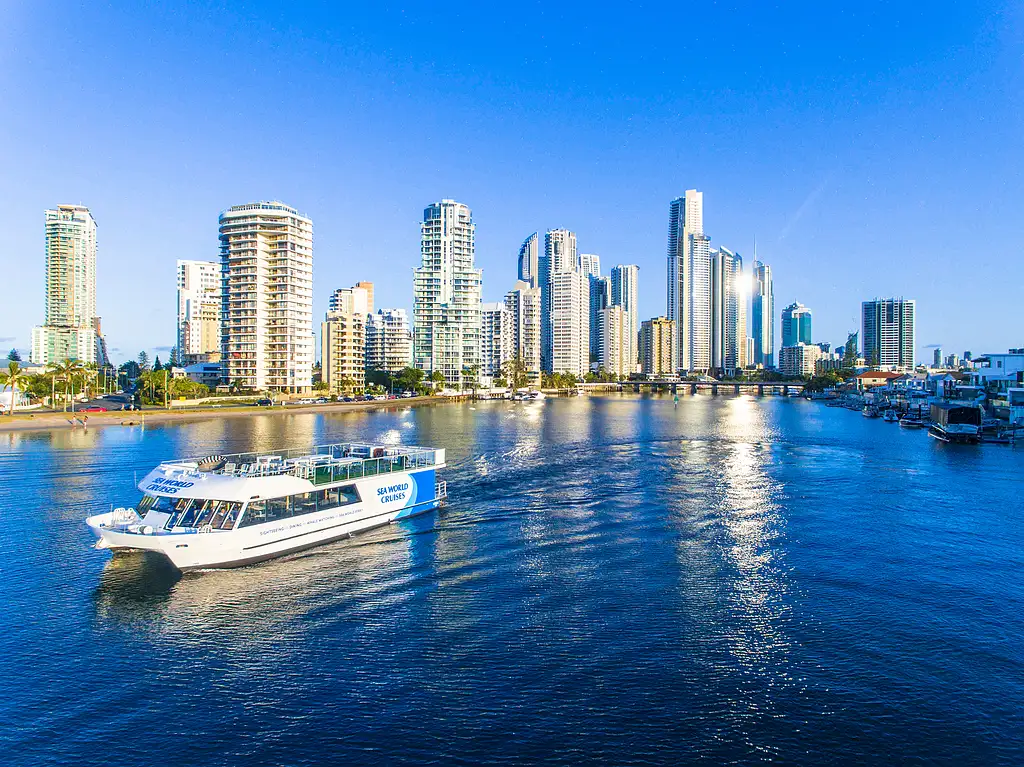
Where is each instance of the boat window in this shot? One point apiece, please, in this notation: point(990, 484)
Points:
point(155, 503)
point(184, 511)
point(277, 509)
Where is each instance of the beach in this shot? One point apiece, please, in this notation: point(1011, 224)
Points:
point(49, 421)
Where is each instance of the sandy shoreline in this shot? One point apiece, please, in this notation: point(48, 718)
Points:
point(64, 421)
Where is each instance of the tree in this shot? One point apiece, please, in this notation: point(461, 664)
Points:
point(14, 355)
point(437, 377)
point(14, 377)
point(69, 371)
point(409, 379)
point(470, 377)
point(515, 372)
point(320, 385)
point(143, 360)
point(156, 364)
point(173, 360)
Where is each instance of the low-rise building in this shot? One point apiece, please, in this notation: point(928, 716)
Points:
point(872, 378)
point(799, 359)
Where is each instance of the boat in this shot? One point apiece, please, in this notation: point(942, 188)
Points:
point(912, 421)
point(233, 510)
point(869, 412)
point(953, 422)
point(889, 416)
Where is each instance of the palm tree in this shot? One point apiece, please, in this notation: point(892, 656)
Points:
point(67, 371)
point(14, 377)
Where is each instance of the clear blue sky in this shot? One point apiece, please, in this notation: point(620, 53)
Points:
point(874, 150)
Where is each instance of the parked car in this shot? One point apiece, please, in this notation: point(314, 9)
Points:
point(346, 399)
point(263, 402)
point(93, 409)
point(322, 401)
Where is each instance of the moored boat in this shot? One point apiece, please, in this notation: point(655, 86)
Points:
point(228, 511)
point(952, 422)
point(889, 416)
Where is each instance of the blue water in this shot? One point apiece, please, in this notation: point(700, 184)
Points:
point(616, 580)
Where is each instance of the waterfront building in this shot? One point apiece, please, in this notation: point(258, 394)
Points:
point(388, 340)
point(744, 345)
point(496, 338)
point(828, 361)
point(199, 307)
point(658, 347)
point(70, 328)
point(523, 303)
point(624, 292)
point(796, 325)
point(614, 343)
point(888, 332)
point(529, 260)
point(343, 341)
point(570, 323)
point(447, 291)
point(799, 359)
point(590, 264)
point(600, 298)
point(728, 317)
point(559, 257)
point(763, 316)
point(825, 346)
point(266, 261)
point(685, 221)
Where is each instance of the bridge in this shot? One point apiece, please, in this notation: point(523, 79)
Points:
point(760, 388)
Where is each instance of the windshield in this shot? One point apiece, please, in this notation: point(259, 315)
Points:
point(192, 512)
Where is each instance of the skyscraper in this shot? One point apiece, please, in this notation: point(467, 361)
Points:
point(888, 332)
point(570, 322)
point(524, 306)
point(727, 313)
point(698, 343)
point(600, 298)
point(685, 220)
point(199, 307)
point(796, 325)
point(388, 341)
point(266, 258)
point(70, 329)
point(529, 260)
point(624, 292)
point(613, 342)
point(937, 357)
point(658, 347)
point(496, 338)
point(343, 339)
point(560, 257)
point(446, 294)
point(763, 316)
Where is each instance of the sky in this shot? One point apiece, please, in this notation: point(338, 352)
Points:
point(871, 150)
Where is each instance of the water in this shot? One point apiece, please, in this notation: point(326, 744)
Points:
point(615, 580)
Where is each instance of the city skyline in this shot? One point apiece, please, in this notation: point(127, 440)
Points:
point(798, 183)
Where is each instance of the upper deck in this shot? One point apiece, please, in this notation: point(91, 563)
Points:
point(321, 464)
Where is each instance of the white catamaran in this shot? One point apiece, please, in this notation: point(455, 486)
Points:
point(228, 511)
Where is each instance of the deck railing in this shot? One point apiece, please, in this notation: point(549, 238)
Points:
point(321, 465)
